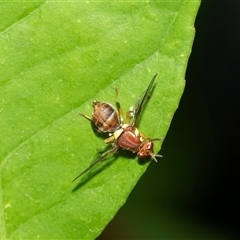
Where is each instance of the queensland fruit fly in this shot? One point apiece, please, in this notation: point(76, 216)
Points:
point(108, 119)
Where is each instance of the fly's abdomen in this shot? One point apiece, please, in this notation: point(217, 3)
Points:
point(105, 117)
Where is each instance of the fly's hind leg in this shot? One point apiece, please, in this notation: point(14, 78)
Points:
point(119, 109)
point(85, 116)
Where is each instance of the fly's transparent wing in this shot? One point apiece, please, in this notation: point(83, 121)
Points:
point(100, 159)
point(136, 110)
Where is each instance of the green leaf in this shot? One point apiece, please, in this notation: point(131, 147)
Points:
point(56, 58)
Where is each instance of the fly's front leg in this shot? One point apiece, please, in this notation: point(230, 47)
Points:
point(155, 139)
point(143, 137)
point(151, 139)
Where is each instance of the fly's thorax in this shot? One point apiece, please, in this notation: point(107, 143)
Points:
point(129, 139)
point(105, 117)
point(131, 128)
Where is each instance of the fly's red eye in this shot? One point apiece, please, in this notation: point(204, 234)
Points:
point(148, 145)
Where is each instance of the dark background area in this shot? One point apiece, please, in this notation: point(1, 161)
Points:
point(193, 192)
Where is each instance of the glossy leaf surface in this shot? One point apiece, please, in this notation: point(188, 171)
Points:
point(56, 58)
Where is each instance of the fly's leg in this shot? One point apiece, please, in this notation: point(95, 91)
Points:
point(85, 116)
point(119, 109)
point(151, 139)
point(128, 116)
point(156, 139)
point(109, 139)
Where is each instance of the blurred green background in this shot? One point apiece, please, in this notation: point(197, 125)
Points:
point(193, 191)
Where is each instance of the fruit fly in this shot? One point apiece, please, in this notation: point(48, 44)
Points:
point(108, 119)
